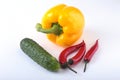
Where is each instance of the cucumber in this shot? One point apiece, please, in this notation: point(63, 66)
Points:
point(39, 54)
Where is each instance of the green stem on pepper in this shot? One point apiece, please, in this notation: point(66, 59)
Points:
point(55, 29)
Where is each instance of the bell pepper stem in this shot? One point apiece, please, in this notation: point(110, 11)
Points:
point(55, 29)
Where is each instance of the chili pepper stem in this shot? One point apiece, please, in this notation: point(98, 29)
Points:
point(71, 69)
point(55, 29)
point(70, 61)
point(86, 62)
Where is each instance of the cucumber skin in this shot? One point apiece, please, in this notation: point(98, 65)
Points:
point(39, 55)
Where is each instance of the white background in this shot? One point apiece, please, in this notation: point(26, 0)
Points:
point(18, 19)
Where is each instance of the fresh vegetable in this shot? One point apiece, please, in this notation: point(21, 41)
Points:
point(78, 57)
point(90, 54)
point(63, 24)
point(39, 55)
point(67, 51)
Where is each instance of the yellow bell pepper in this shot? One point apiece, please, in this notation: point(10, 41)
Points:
point(63, 24)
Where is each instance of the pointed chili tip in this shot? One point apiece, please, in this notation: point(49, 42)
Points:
point(97, 40)
point(82, 43)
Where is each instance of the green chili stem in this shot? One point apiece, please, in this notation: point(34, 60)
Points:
point(55, 29)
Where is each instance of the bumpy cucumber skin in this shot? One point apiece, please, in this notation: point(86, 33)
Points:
point(39, 55)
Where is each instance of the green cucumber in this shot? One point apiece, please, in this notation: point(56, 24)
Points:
point(39, 54)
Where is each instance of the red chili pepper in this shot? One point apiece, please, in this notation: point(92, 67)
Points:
point(90, 54)
point(66, 52)
point(78, 57)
